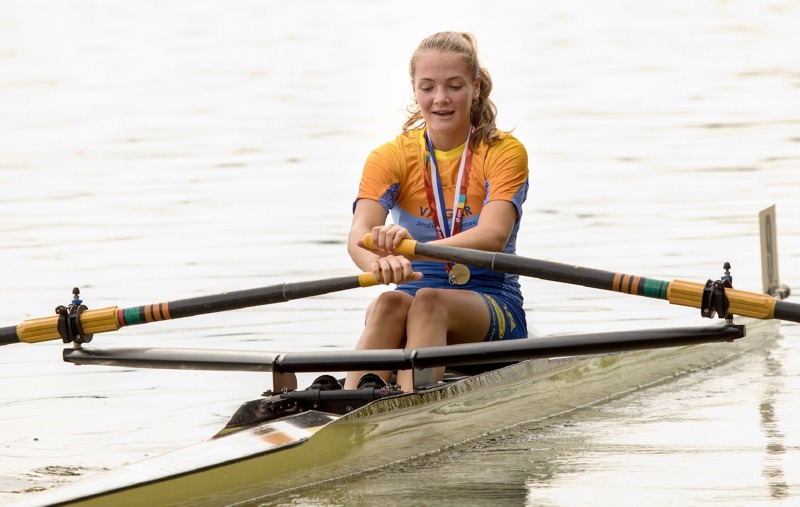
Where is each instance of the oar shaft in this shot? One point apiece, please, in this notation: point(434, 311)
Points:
point(746, 304)
point(113, 318)
point(787, 311)
point(535, 268)
point(240, 299)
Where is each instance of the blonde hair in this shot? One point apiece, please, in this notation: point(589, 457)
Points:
point(483, 113)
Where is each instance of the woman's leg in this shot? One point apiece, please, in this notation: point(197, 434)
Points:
point(384, 328)
point(443, 317)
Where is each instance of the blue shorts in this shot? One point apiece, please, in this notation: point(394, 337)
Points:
point(506, 316)
point(507, 321)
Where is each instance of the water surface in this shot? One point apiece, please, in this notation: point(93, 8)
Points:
point(153, 151)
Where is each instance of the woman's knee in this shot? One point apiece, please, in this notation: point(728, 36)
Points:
point(385, 321)
point(429, 301)
point(392, 305)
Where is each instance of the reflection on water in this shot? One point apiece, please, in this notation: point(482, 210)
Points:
point(155, 151)
point(771, 426)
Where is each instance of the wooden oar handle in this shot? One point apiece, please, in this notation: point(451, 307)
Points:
point(406, 246)
point(367, 280)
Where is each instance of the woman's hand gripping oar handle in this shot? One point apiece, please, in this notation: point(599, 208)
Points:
point(77, 322)
point(406, 246)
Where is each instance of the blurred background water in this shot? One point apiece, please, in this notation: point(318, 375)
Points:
point(161, 150)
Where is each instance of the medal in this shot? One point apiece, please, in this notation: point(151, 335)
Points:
point(459, 274)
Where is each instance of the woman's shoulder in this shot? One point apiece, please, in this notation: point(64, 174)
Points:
point(403, 144)
point(506, 144)
point(506, 140)
point(396, 155)
point(404, 141)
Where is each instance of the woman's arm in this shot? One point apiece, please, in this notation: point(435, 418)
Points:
point(490, 234)
point(370, 217)
point(492, 231)
point(367, 214)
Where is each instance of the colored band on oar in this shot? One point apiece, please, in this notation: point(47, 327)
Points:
point(746, 304)
point(113, 318)
point(639, 286)
point(143, 314)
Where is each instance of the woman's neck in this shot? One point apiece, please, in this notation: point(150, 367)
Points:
point(446, 141)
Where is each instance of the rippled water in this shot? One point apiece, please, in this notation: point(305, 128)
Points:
point(161, 150)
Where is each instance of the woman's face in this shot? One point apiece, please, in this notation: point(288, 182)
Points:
point(444, 89)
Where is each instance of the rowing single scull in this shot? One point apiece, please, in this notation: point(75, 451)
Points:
point(292, 438)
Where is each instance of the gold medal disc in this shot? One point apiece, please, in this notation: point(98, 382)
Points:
point(459, 274)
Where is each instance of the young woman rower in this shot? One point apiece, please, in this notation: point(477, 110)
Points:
point(453, 179)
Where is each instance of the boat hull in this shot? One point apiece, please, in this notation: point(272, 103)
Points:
point(313, 447)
